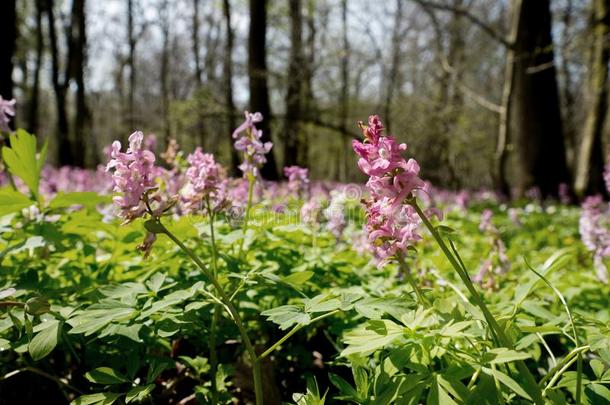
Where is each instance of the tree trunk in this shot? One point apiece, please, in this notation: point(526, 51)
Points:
point(164, 23)
point(344, 95)
point(228, 86)
point(198, 72)
point(294, 92)
point(8, 33)
point(257, 71)
point(35, 92)
point(64, 147)
point(590, 167)
point(131, 41)
point(392, 74)
point(308, 104)
point(540, 141)
point(504, 127)
point(78, 63)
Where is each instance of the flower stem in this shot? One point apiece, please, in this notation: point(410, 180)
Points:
point(256, 370)
point(530, 382)
point(407, 273)
point(216, 310)
point(251, 181)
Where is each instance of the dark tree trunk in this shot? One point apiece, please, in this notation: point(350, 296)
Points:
point(590, 166)
point(539, 136)
point(392, 74)
point(294, 92)
point(78, 62)
point(257, 71)
point(198, 72)
point(8, 35)
point(228, 86)
point(344, 95)
point(164, 79)
point(64, 146)
point(35, 92)
point(131, 41)
point(309, 106)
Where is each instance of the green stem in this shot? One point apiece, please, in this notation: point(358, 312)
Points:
point(503, 338)
point(216, 311)
point(407, 273)
point(256, 370)
point(251, 181)
point(292, 331)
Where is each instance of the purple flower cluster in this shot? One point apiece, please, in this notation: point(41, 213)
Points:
point(7, 112)
point(335, 213)
point(204, 181)
point(595, 233)
point(134, 175)
point(497, 262)
point(391, 224)
point(250, 144)
point(298, 179)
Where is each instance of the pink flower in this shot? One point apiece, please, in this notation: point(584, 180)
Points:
point(485, 224)
point(250, 144)
point(7, 112)
point(298, 179)
point(391, 224)
point(203, 181)
point(595, 233)
point(134, 175)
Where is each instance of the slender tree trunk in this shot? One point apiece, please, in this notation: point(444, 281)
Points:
point(8, 35)
point(308, 105)
point(64, 146)
point(344, 95)
point(540, 140)
point(78, 63)
point(198, 72)
point(131, 41)
point(257, 71)
point(164, 80)
point(504, 127)
point(590, 166)
point(392, 74)
point(294, 91)
point(567, 91)
point(228, 85)
point(35, 93)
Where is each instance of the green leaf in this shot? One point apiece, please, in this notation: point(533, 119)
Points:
point(298, 278)
point(101, 398)
point(287, 315)
point(22, 161)
point(507, 381)
point(139, 393)
point(12, 201)
point(345, 389)
point(598, 368)
point(45, 341)
point(371, 336)
point(88, 199)
point(503, 355)
point(105, 375)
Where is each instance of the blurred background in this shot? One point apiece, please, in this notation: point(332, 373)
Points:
point(504, 94)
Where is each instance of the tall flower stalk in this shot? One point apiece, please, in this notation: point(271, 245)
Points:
point(253, 150)
point(393, 217)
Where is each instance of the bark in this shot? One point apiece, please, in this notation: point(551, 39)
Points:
point(8, 33)
point(164, 22)
point(590, 166)
point(198, 71)
point(344, 95)
point(77, 63)
point(308, 105)
point(540, 141)
point(257, 71)
point(294, 92)
point(228, 86)
point(392, 74)
point(131, 41)
point(504, 127)
point(64, 147)
point(35, 92)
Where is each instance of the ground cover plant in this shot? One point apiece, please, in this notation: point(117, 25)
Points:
point(159, 279)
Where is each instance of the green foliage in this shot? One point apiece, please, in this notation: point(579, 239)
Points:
point(23, 161)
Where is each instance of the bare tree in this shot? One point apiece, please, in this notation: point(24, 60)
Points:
point(8, 33)
point(131, 64)
point(344, 94)
point(392, 76)
point(294, 92)
point(590, 163)
point(198, 71)
point(35, 91)
point(164, 23)
point(257, 72)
